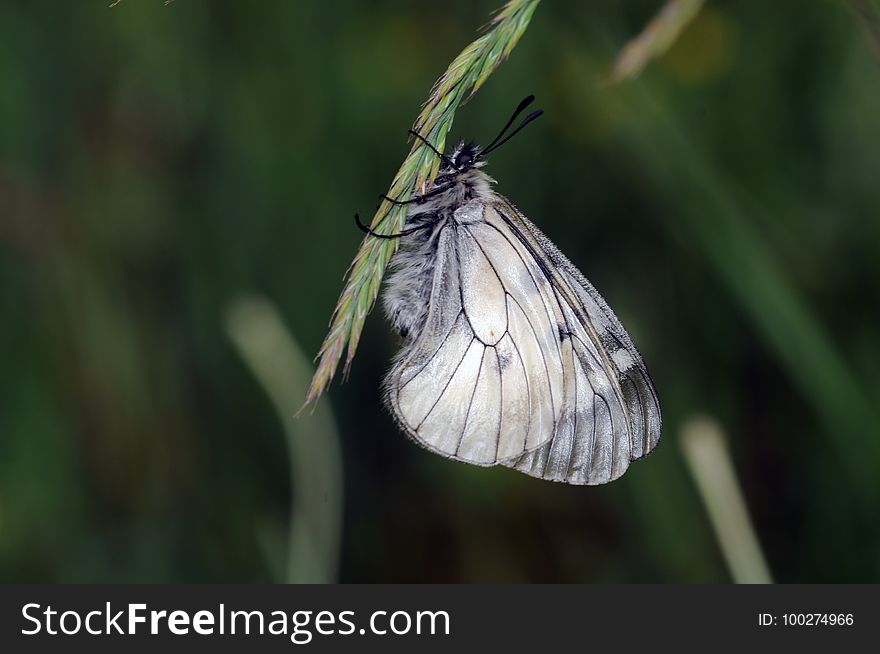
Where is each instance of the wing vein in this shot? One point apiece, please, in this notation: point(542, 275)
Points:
point(544, 359)
point(470, 403)
point(574, 431)
point(522, 364)
point(436, 352)
point(446, 386)
point(494, 270)
point(607, 407)
point(500, 403)
point(531, 276)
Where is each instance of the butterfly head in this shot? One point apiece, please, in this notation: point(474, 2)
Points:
point(464, 157)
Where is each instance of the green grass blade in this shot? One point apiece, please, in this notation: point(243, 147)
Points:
point(268, 349)
point(465, 75)
point(657, 36)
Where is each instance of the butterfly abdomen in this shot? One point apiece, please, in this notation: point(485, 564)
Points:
point(408, 287)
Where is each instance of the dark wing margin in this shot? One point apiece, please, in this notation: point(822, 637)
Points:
point(603, 429)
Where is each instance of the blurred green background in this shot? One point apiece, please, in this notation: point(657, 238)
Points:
point(159, 163)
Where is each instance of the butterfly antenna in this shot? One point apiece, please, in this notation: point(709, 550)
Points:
point(532, 116)
point(522, 105)
point(445, 159)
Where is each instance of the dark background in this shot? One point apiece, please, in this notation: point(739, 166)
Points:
point(157, 163)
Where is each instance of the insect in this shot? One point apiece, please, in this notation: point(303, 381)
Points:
point(510, 355)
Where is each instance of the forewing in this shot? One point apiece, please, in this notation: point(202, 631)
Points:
point(610, 414)
point(484, 380)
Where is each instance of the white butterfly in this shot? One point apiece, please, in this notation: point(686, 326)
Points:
point(511, 356)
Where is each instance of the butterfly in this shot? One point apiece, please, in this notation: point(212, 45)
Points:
point(510, 356)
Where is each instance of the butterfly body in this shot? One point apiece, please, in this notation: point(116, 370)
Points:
point(407, 289)
point(511, 356)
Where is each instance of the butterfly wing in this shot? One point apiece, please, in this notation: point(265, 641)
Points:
point(520, 361)
point(483, 381)
point(611, 412)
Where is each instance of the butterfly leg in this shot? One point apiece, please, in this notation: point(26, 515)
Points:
point(418, 199)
